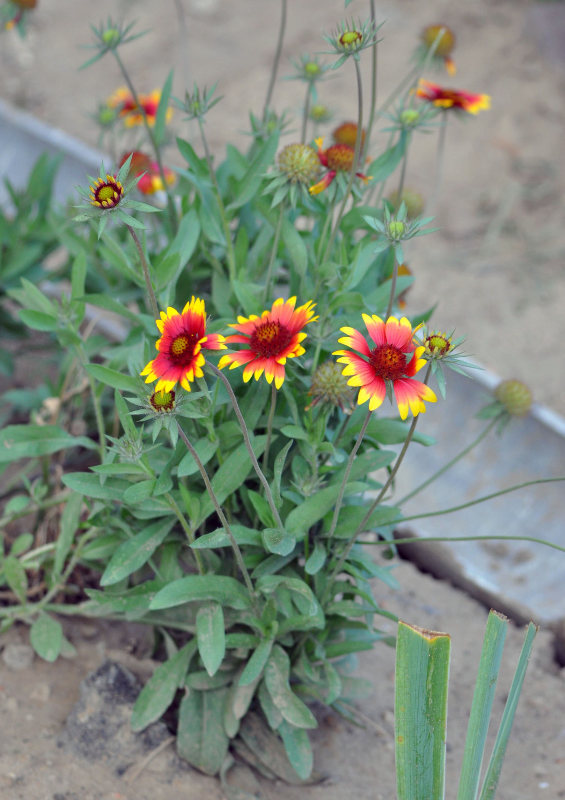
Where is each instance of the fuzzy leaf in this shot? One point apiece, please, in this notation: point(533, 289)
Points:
point(211, 637)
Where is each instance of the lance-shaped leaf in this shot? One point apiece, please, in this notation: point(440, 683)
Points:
point(201, 738)
point(277, 673)
point(211, 636)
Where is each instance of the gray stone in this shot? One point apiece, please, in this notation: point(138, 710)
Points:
point(18, 656)
point(98, 727)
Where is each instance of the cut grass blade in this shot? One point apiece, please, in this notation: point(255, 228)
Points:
point(422, 674)
point(489, 666)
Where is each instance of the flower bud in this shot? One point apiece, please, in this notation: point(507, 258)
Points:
point(409, 117)
point(396, 229)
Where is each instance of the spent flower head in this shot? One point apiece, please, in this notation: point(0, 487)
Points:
point(330, 388)
point(438, 42)
point(297, 167)
point(350, 38)
point(338, 161)
point(109, 36)
point(513, 398)
point(109, 194)
point(414, 202)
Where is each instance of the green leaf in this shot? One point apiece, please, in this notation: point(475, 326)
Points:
point(277, 473)
point(46, 637)
point(30, 441)
point(88, 483)
point(219, 538)
point(277, 672)
point(78, 276)
point(278, 541)
point(201, 738)
point(296, 247)
point(247, 188)
point(383, 166)
point(38, 320)
point(262, 508)
point(481, 708)
point(134, 553)
point(159, 691)
point(422, 670)
point(161, 118)
point(205, 449)
point(21, 543)
point(138, 492)
point(229, 477)
point(70, 520)
point(301, 518)
point(16, 578)
point(211, 637)
point(294, 432)
point(113, 378)
point(254, 667)
point(221, 588)
point(298, 749)
point(316, 559)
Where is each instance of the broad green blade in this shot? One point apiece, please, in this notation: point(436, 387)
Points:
point(489, 666)
point(422, 675)
point(499, 750)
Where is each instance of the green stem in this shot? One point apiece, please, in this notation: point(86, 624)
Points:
point(392, 288)
point(305, 112)
point(449, 464)
point(478, 500)
point(82, 357)
point(354, 166)
point(273, 257)
point(230, 252)
point(187, 529)
point(346, 474)
point(220, 513)
point(439, 162)
point(270, 425)
point(146, 275)
point(374, 58)
point(151, 135)
point(247, 440)
point(276, 60)
point(351, 541)
point(403, 172)
point(494, 538)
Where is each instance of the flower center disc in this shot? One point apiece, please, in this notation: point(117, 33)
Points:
point(340, 157)
point(106, 192)
point(270, 339)
point(388, 362)
point(182, 349)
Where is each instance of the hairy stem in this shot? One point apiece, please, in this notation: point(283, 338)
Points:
point(451, 463)
point(146, 275)
point(274, 249)
point(276, 60)
point(230, 252)
point(170, 204)
point(270, 425)
point(247, 440)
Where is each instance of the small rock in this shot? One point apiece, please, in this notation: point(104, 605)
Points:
point(98, 727)
point(18, 656)
point(40, 693)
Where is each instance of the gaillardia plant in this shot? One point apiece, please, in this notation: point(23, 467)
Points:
point(230, 514)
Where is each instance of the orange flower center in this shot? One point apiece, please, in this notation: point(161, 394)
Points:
point(182, 349)
point(270, 339)
point(388, 362)
point(340, 157)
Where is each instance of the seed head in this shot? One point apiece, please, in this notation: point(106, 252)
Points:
point(300, 163)
point(515, 396)
point(330, 387)
point(413, 201)
point(444, 44)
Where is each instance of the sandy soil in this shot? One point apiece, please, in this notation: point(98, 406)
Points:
point(496, 267)
point(37, 763)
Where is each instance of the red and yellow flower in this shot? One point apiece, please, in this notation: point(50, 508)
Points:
point(452, 98)
point(444, 40)
point(270, 340)
point(183, 337)
point(337, 158)
point(150, 181)
point(132, 113)
point(393, 361)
